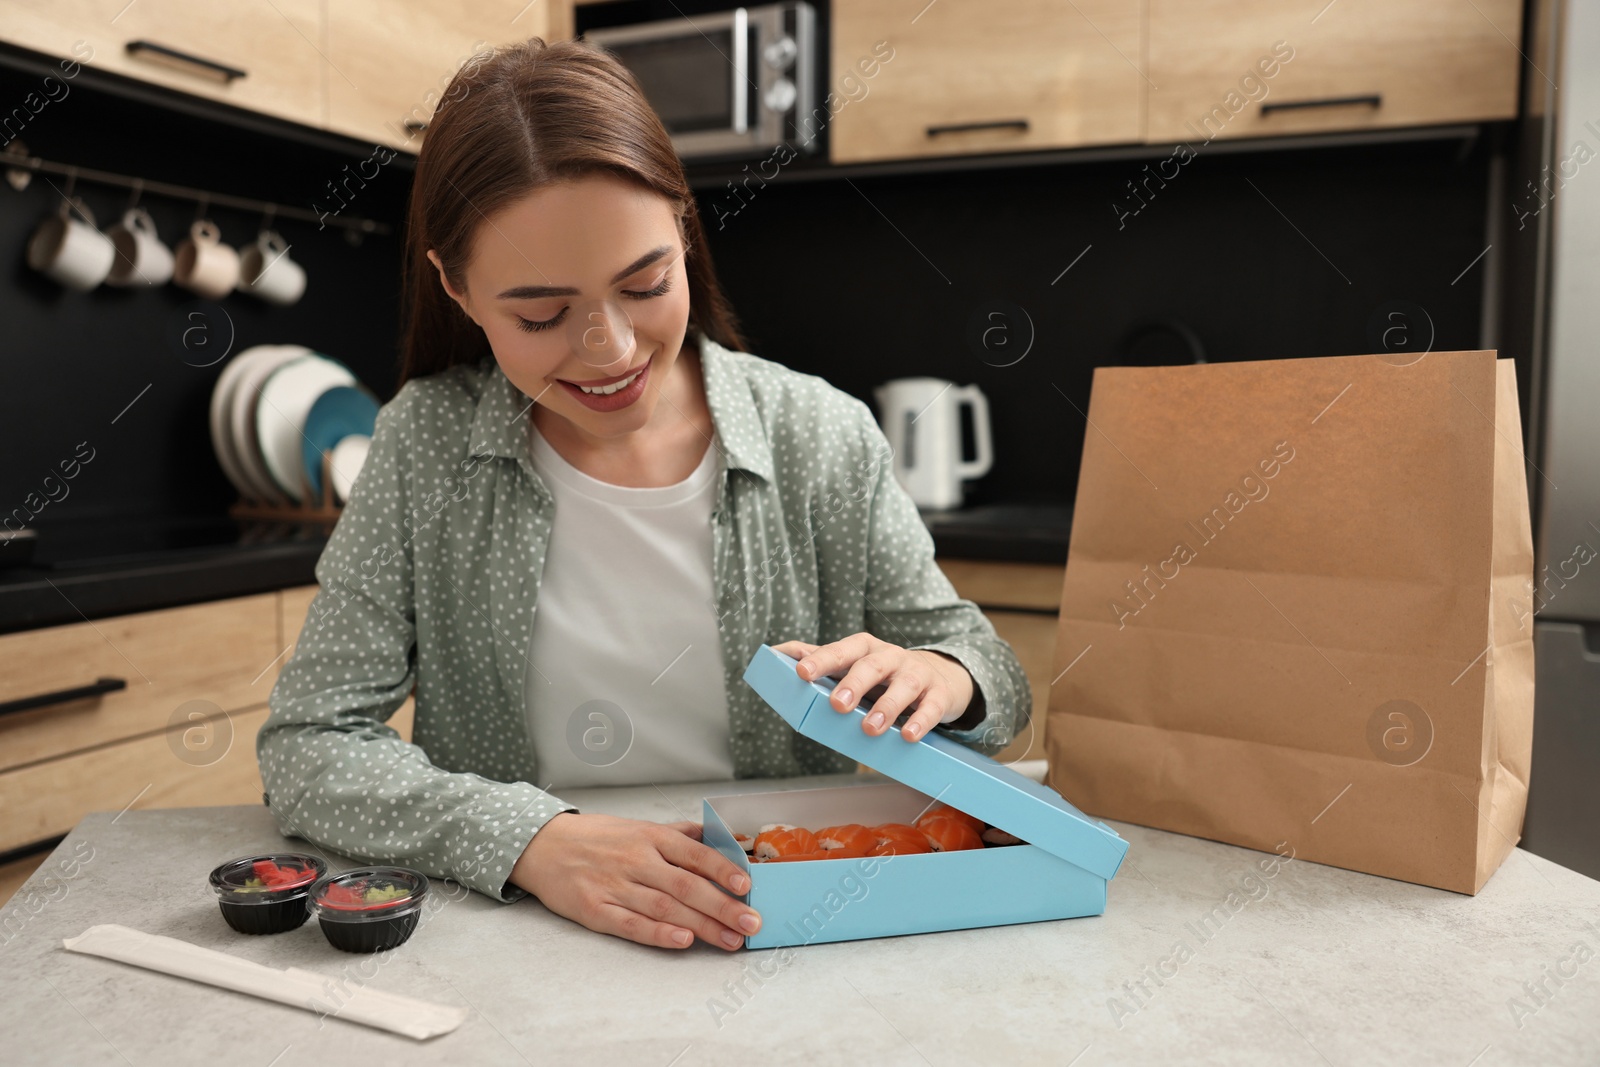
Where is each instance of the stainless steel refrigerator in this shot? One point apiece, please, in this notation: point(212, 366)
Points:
point(1557, 193)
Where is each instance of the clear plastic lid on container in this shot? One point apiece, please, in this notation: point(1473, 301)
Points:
point(267, 878)
point(368, 894)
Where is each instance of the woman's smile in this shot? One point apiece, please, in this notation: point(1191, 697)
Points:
point(611, 394)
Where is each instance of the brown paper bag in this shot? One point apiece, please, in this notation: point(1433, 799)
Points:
point(1290, 615)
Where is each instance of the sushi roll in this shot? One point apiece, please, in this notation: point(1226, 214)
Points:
point(950, 835)
point(898, 839)
point(945, 811)
point(771, 844)
point(852, 837)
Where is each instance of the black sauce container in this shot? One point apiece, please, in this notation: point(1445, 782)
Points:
point(369, 909)
point(253, 905)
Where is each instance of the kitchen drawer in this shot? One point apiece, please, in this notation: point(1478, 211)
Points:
point(1012, 75)
point(223, 653)
point(995, 584)
point(211, 761)
point(272, 41)
point(1425, 62)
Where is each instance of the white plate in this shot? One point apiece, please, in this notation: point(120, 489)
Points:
point(349, 456)
point(281, 410)
point(242, 419)
point(221, 408)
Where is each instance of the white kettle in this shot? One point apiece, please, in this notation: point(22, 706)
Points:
point(921, 417)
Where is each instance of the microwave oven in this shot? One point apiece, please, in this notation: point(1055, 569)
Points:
point(728, 84)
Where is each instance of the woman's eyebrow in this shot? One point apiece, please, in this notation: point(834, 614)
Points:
point(531, 292)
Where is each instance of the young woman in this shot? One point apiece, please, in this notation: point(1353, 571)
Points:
point(582, 513)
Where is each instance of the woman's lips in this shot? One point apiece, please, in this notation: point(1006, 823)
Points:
point(598, 382)
point(617, 400)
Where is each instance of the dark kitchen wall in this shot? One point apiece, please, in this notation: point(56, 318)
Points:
point(1020, 279)
point(74, 362)
point(1264, 254)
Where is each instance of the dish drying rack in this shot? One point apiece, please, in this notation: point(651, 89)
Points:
point(324, 513)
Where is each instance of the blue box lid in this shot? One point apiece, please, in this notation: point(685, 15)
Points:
point(940, 767)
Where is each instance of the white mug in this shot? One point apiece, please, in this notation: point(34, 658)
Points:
point(70, 250)
point(141, 257)
point(204, 264)
point(266, 271)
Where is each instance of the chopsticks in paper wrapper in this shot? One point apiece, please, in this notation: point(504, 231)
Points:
point(301, 989)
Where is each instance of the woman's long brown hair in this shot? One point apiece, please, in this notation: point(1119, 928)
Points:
point(511, 121)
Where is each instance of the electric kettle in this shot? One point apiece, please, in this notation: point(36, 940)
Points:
point(921, 417)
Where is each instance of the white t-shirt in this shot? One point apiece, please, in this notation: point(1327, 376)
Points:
point(624, 685)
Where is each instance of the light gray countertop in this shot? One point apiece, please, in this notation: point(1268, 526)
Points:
point(1312, 965)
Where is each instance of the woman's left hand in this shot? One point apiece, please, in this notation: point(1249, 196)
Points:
point(938, 685)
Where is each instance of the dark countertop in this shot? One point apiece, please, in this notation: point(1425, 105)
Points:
point(1022, 533)
point(34, 597)
point(158, 566)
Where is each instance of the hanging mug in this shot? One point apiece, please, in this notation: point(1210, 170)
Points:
point(141, 257)
point(266, 271)
point(205, 265)
point(71, 251)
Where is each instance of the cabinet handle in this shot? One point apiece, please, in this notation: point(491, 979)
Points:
point(99, 688)
point(184, 61)
point(962, 127)
point(1374, 100)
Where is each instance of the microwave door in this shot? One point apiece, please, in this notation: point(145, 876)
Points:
point(706, 79)
point(700, 75)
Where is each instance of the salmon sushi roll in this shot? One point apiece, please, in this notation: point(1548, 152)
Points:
point(945, 811)
point(996, 836)
point(851, 836)
point(745, 841)
point(898, 839)
point(820, 854)
point(950, 835)
point(771, 844)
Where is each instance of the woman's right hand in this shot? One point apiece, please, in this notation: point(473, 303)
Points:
point(654, 883)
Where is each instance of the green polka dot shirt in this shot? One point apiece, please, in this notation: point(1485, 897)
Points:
point(430, 580)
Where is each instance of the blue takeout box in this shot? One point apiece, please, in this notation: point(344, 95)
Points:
point(1060, 872)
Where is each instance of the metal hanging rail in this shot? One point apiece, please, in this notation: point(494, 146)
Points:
point(183, 192)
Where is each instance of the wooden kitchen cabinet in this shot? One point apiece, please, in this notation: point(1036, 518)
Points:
point(181, 733)
point(219, 653)
point(997, 583)
point(274, 42)
point(999, 76)
point(392, 64)
point(362, 68)
point(211, 761)
point(1355, 64)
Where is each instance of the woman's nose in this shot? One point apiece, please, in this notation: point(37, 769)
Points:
point(603, 337)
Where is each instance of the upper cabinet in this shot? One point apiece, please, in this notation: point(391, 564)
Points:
point(1256, 68)
point(909, 78)
point(963, 77)
point(258, 54)
point(363, 68)
point(390, 64)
